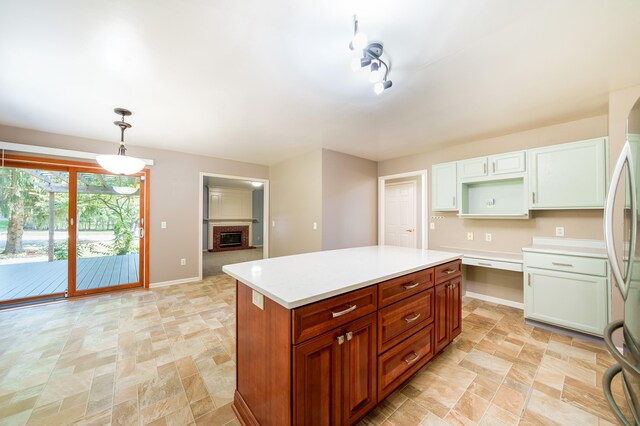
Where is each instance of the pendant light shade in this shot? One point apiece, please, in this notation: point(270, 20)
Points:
point(121, 163)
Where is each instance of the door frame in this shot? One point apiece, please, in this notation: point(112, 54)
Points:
point(421, 200)
point(265, 224)
point(72, 168)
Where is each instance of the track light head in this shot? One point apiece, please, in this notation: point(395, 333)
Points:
point(381, 86)
point(376, 73)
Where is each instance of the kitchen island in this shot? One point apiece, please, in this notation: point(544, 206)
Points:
point(323, 337)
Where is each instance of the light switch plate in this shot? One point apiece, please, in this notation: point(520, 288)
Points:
point(257, 299)
point(163, 225)
point(432, 225)
point(469, 236)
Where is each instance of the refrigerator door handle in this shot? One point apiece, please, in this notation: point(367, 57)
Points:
point(624, 159)
point(615, 353)
point(606, 387)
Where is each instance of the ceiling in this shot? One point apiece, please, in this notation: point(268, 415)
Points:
point(264, 81)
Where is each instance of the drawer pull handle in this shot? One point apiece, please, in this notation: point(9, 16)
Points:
point(410, 286)
point(484, 264)
point(413, 359)
point(349, 335)
point(340, 340)
point(346, 311)
point(562, 264)
point(413, 318)
point(449, 271)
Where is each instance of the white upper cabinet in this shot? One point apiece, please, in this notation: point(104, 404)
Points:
point(568, 176)
point(511, 162)
point(226, 203)
point(495, 165)
point(444, 185)
point(473, 167)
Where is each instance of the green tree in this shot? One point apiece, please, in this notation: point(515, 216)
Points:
point(15, 190)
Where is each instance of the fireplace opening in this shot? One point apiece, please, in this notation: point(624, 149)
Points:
point(230, 239)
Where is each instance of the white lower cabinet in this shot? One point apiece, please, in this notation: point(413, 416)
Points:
point(576, 300)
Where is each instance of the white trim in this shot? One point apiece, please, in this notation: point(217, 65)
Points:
point(265, 214)
point(497, 300)
point(424, 244)
point(58, 152)
point(172, 282)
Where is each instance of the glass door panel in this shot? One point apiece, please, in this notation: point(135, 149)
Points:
point(34, 206)
point(108, 244)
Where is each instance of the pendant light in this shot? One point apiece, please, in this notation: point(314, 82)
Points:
point(121, 163)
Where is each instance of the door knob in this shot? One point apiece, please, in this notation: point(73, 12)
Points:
point(409, 230)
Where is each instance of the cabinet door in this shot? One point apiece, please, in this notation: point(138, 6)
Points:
point(359, 387)
point(473, 167)
point(455, 307)
point(568, 176)
point(569, 300)
point(511, 162)
point(444, 185)
point(317, 383)
point(441, 324)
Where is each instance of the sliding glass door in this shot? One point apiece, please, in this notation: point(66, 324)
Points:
point(69, 229)
point(33, 233)
point(108, 226)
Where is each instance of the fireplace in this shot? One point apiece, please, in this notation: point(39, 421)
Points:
point(230, 238)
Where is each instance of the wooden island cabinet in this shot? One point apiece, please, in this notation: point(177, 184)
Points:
point(331, 361)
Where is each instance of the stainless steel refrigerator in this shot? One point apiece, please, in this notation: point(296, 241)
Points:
point(624, 260)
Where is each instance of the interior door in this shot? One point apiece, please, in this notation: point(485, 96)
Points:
point(400, 214)
point(107, 219)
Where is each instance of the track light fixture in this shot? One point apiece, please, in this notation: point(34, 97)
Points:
point(370, 54)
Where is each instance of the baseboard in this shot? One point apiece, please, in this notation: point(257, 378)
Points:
point(496, 300)
point(166, 283)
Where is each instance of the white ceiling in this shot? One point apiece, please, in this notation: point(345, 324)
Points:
point(262, 81)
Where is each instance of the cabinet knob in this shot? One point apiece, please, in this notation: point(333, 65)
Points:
point(340, 340)
point(349, 335)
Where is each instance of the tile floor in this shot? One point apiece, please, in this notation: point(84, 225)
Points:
point(166, 357)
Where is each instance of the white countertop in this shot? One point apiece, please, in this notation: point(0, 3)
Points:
point(297, 280)
point(571, 247)
point(488, 255)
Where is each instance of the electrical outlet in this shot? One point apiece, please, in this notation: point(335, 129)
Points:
point(183, 262)
point(559, 231)
point(315, 226)
point(469, 236)
point(487, 237)
point(257, 299)
point(432, 225)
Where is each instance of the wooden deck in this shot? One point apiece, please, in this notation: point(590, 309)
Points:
point(22, 280)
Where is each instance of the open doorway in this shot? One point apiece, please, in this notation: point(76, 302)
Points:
point(234, 217)
point(402, 209)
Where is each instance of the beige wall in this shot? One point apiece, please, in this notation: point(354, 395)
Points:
point(349, 201)
point(174, 195)
point(507, 235)
point(296, 203)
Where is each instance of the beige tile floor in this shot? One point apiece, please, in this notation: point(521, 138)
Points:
point(166, 357)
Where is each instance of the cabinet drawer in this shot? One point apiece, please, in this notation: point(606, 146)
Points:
point(407, 285)
point(398, 321)
point(316, 318)
point(447, 271)
point(397, 364)
point(575, 264)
